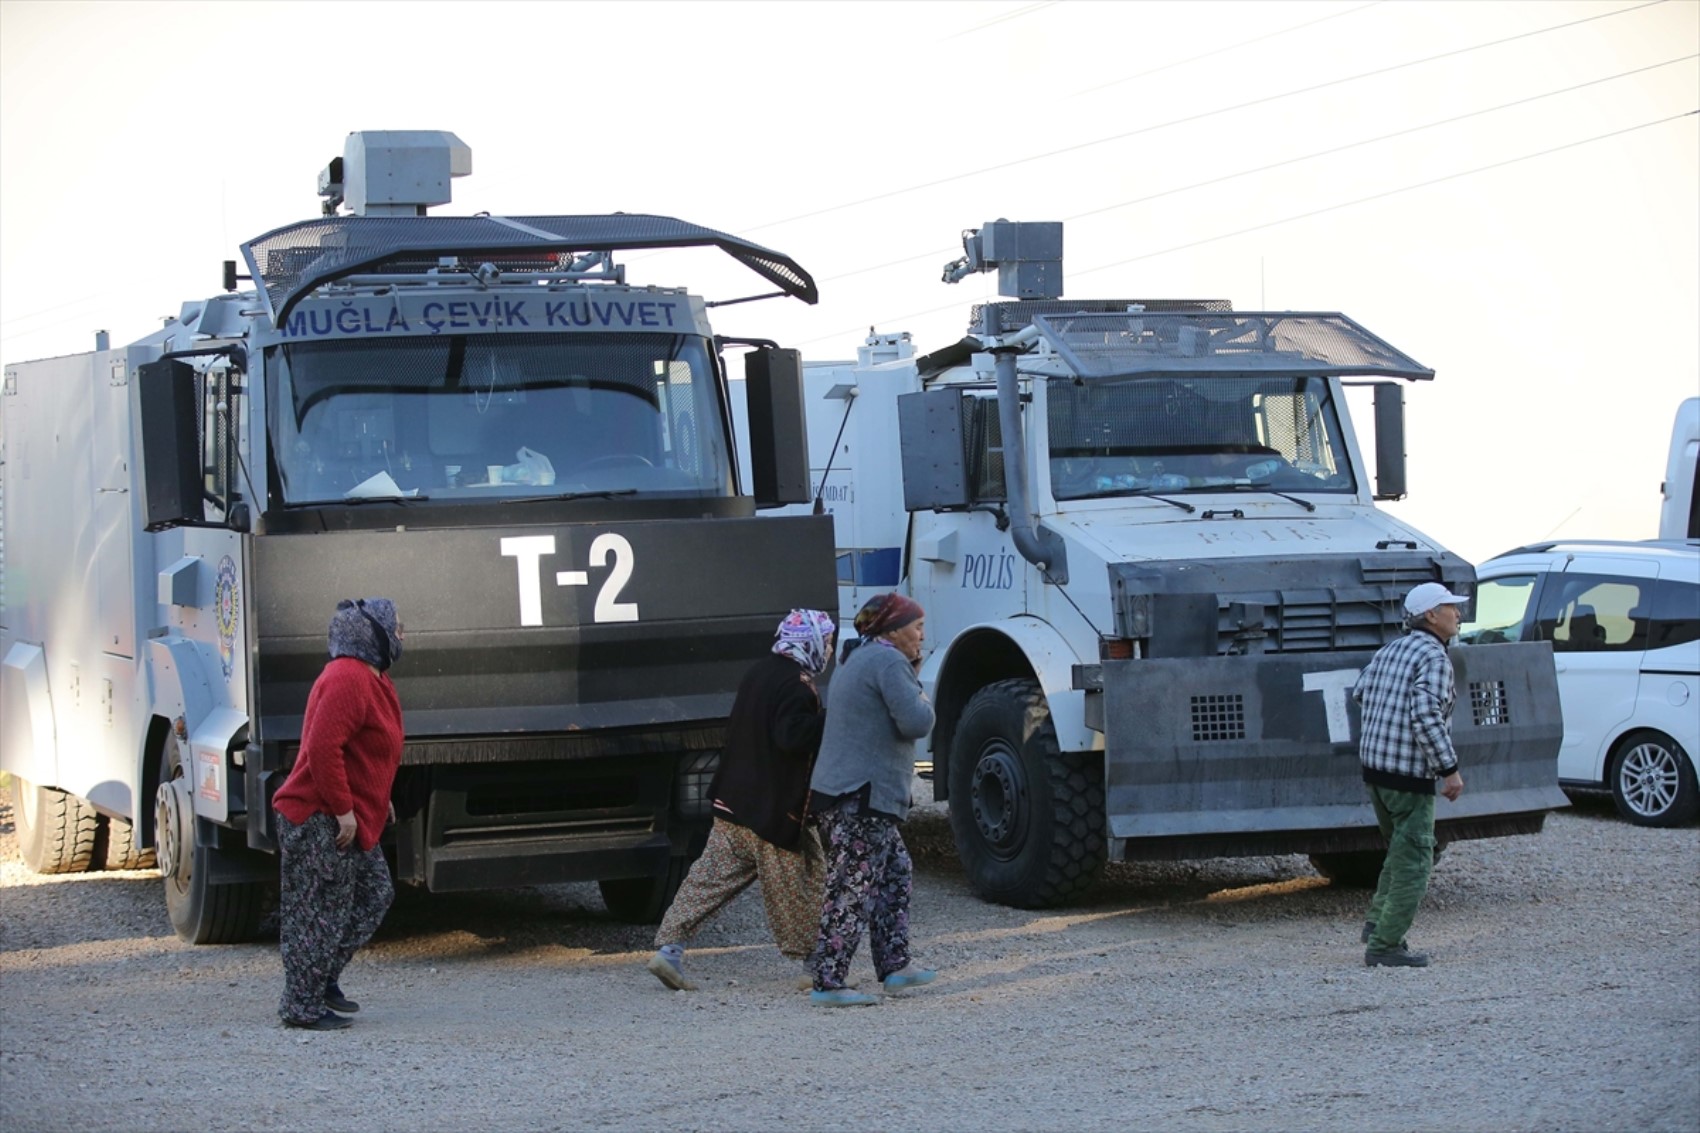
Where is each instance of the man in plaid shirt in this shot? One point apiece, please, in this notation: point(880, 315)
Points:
point(1407, 693)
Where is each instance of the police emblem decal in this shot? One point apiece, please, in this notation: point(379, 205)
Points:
point(224, 595)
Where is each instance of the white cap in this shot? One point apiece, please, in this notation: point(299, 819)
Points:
point(1426, 597)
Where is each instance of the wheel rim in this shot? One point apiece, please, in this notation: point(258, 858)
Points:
point(997, 796)
point(1648, 779)
point(173, 850)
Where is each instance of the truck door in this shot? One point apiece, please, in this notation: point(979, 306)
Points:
point(1592, 616)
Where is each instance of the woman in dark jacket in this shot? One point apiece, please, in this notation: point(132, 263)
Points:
point(331, 811)
point(860, 794)
point(761, 793)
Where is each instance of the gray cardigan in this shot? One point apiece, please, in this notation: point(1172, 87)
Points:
point(875, 713)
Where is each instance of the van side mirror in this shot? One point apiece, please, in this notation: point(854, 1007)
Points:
point(935, 471)
point(1389, 441)
point(779, 439)
point(171, 456)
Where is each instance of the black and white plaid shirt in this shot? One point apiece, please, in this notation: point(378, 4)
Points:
point(1407, 692)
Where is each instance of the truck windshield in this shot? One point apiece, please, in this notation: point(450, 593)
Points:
point(475, 416)
point(1181, 434)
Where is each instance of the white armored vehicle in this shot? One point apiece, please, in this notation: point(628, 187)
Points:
point(476, 416)
point(1153, 568)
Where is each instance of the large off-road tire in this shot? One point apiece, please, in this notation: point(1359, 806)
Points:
point(644, 900)
point(1652, 780)
point(113, 847)
point(1028, 819)
point(55, 830)
point(1357, 869)
point(201, 911)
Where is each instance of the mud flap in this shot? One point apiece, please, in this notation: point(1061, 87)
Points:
point(1264, 744)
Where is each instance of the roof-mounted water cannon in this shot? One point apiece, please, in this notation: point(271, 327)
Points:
point(394, 172)
point(1027, 254)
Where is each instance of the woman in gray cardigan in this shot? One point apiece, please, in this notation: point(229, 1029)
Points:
point(860, 792)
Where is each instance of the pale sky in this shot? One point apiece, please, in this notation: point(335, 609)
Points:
point(1557, 295)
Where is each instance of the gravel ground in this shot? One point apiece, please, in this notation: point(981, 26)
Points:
point(1218, 995)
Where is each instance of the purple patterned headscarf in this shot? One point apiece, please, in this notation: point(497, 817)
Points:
point(805, 636)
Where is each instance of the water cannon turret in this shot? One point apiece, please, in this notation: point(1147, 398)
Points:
point(394, 172)
point(1027, 254)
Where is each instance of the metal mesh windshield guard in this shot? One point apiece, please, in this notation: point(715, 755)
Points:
point(1245, 342)
point(289, 262)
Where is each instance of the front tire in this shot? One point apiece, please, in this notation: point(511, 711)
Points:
point(644, 900)
point(202, 911)
point(1358, 869)
point(1027, 818)
point(56, 830)
point(1652, 780)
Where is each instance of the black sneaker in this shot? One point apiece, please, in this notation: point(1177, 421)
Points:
point(1400, 957)
point(327, 1021)
point(336, 1001)
point(1363, 937)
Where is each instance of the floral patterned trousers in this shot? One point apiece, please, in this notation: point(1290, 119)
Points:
point(869, 876)
point(734, 857)
point(332, 902)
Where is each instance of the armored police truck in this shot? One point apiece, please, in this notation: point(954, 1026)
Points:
point(1152, 567)
point(477, 417)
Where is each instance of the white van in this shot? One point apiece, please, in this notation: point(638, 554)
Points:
point(1624, 622)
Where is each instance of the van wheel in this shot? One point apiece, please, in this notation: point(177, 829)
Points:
point(113, 848)
point(1028, 819)
point(1652, 780)
point(644, 900)
point(202, 911)
point(55, 830)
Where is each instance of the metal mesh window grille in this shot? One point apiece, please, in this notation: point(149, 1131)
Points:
point(1488, 706)
point(982, 432)
point(1218, 717)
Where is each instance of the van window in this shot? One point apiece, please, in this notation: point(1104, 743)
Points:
point(1594, 613)
point(1502, 610)
point(1674, 618)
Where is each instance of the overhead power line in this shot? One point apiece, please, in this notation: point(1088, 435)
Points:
point(1312, 156)
point(1224, 50)
point(1200, 116)
point(836, 336)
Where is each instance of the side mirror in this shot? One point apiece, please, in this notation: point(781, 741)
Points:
point(779, 438)
point(935, 469)
point(1389, 441)
point(171, 457)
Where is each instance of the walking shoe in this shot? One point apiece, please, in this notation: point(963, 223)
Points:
point(910, 976)
point(1400, 957)
point(336, 1001)
point(327, 1021)
point(1369, 931)
point(669, 972)
point(840, 997)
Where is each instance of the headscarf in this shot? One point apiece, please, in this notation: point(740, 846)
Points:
point(885, 612)
point(367, 629)
point(803, 635)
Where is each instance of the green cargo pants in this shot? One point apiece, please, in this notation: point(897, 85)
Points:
point(1407, 822)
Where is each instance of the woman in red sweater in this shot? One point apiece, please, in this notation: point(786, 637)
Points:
point(331, 810)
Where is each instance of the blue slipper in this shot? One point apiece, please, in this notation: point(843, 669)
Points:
point(909, 977)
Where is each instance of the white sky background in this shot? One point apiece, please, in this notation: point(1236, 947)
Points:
point(1558, 298)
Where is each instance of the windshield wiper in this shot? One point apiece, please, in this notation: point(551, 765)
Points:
point(605, 494)
point(1256, 487)
point(1147, 494)
point(295, 505)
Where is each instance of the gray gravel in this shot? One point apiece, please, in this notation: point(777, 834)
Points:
point(1217, 995)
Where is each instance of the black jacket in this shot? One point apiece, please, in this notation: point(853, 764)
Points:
point(771, 740)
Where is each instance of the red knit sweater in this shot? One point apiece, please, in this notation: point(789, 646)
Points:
point(350, 750)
